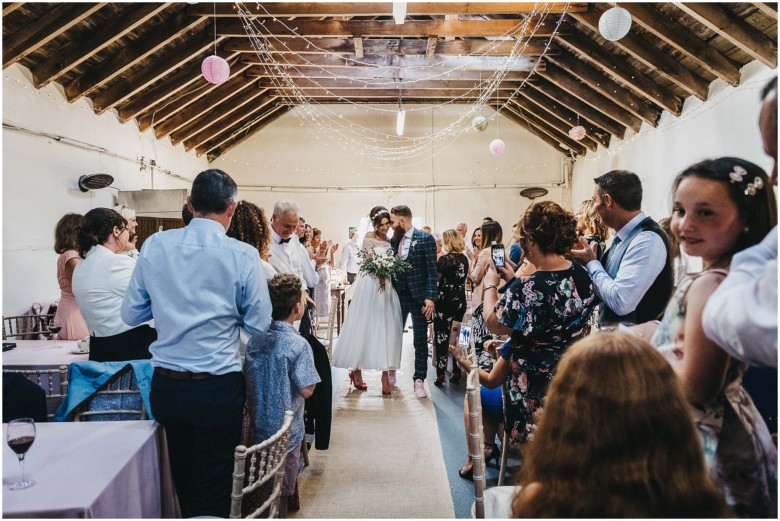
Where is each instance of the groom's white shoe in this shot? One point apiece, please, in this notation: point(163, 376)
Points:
point(419, 389)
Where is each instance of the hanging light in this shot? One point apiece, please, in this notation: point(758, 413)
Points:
point(214, 68)
point(497, 147)
point(479, 123)
point(577, 133)
point(615, 23)
point(399, 121)
point(399, 12)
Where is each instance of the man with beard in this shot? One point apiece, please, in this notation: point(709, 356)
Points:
point(416, 287)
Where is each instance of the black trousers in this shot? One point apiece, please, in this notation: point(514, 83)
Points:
point(420, 327)
point(442, 324)
point(133, 344)
point(202, 420)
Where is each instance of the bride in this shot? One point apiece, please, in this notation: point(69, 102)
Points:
point(372, 335)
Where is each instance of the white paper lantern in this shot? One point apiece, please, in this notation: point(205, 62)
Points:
point(615, 23)
point(480, 123)
point(497, 147)
point(215, 69)
point(577, 133)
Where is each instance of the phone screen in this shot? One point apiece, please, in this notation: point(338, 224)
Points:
point(497, 251)
point(464, 338)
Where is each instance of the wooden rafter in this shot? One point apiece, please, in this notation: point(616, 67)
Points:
point(143, 78)
point(679, 37)
point(220, 125)
point(79, 51)
point(35, 35)
point(651, 57)
point(11, 7)
point(321, 9)
point(542, 114)
point(129, 56)
point(332, 28)
point(358, 47)
point(241, 132)
point(548, 136)
point(595, 54)
point(767, 8)
point(397, 46)
point(360, 93)
point(329, 84)
point(735, 30)
point(548, 129)
point(385, 74)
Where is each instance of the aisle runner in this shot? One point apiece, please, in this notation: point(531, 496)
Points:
point(385, 458)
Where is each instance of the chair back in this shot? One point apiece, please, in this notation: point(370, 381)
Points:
point(266, 464)
point(476, 438)
point(119, 399)
point(30, 326)
point(53, 381)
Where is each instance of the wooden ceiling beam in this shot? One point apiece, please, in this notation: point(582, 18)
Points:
point(358, 93)
point(271, 9)
point(453, 84)
point(589, 112)
point(542, 114)
point(156, 40)
point(384, 75)
point(568, 68)
point(562, 114)
point(398, 63)
point(78, 51)
point(358, 44)
point(767, 8)
point(651, 57)
point(537, 129)
point(682, 39)
point(203, 105)
point(364, 28)
point(143, 78)
point(223, 123)
point(229, 105)
point(619, 69)
point(398, 46)
point(11, 7)
point(244, 131)
point(60, 19)
point(175, 84)
point(734, 29)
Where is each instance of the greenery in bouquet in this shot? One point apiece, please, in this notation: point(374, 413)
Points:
point(383, 266)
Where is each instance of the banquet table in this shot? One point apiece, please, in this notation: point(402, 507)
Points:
point(41, 354)
point(92, 470)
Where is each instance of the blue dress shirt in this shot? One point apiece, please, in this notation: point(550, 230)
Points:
point(200, 286)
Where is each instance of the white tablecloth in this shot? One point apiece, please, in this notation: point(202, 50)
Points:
point(92, 470)
point(41, 354)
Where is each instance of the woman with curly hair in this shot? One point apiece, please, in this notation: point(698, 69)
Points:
point(66, 243)
point(615, 440)
point(250, 225)
point(544, 313)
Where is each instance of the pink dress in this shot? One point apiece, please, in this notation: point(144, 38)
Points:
point(73, 325)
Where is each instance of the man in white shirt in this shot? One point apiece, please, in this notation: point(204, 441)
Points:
point(288, 255)
point(462, 228)
point(350, 262)
point(741, 315)
point(634, 277)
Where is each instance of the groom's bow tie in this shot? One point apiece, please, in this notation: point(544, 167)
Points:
point(284, 241)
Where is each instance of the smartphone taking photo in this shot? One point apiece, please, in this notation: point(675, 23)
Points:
point(497, 252)
point(464, 337)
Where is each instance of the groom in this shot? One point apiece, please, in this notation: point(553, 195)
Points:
point(416, 287)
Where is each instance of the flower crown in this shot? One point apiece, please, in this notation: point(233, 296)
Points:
point(737, 175)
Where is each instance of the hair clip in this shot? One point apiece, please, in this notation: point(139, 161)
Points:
point(757, 184)
point(738, 174)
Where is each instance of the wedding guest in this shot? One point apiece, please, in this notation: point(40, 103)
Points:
point(634, 277)
point(720, 206)
point(543, 314)
point(186, 214)
point(615, 440)
point(66, 243)
point(515, 251)
point(200, 286)
point(462, 228)
point(250, 225)
point(680, 259)
point(476, 245)
point(491, 233)
point(451, 273)
point(741, 315)
point(591, 228)
point(486, 220)
point(280, 375)
point(325, 252)
point(132, 225)
point(99, 284)
point(350, 262)
point(439, 245)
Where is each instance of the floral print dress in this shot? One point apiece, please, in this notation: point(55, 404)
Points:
point(452, 270)
point(547, 311)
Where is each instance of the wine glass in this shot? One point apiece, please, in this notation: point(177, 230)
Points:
point(20, 435)
point(55, 327)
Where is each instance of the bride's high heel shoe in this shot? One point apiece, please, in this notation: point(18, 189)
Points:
point(391, 377)
point(386, 387)
point(356, 379)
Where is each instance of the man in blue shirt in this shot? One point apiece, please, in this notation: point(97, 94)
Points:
point(200, 287)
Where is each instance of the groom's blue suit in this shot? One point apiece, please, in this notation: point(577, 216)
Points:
point(415, 286)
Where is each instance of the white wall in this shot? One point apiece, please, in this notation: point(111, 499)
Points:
point(40, 176)
point(335, 186)
point(726, 125)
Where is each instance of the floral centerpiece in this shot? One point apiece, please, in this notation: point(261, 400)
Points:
point(383, 266)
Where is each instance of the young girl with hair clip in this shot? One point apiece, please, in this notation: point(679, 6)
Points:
point(615, 440)
point(720, 207)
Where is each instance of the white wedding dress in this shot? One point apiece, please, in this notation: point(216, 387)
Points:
point(372, 335)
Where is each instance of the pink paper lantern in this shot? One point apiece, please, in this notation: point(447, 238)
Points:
point(577, 133)
point(215, 69)
point(497, 147)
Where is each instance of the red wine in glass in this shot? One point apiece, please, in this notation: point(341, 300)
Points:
point(20, 435)
point(55, 327)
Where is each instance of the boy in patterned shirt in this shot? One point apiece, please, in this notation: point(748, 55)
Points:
point(280, 375)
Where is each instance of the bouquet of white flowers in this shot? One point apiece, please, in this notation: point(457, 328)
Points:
point(383, 266)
